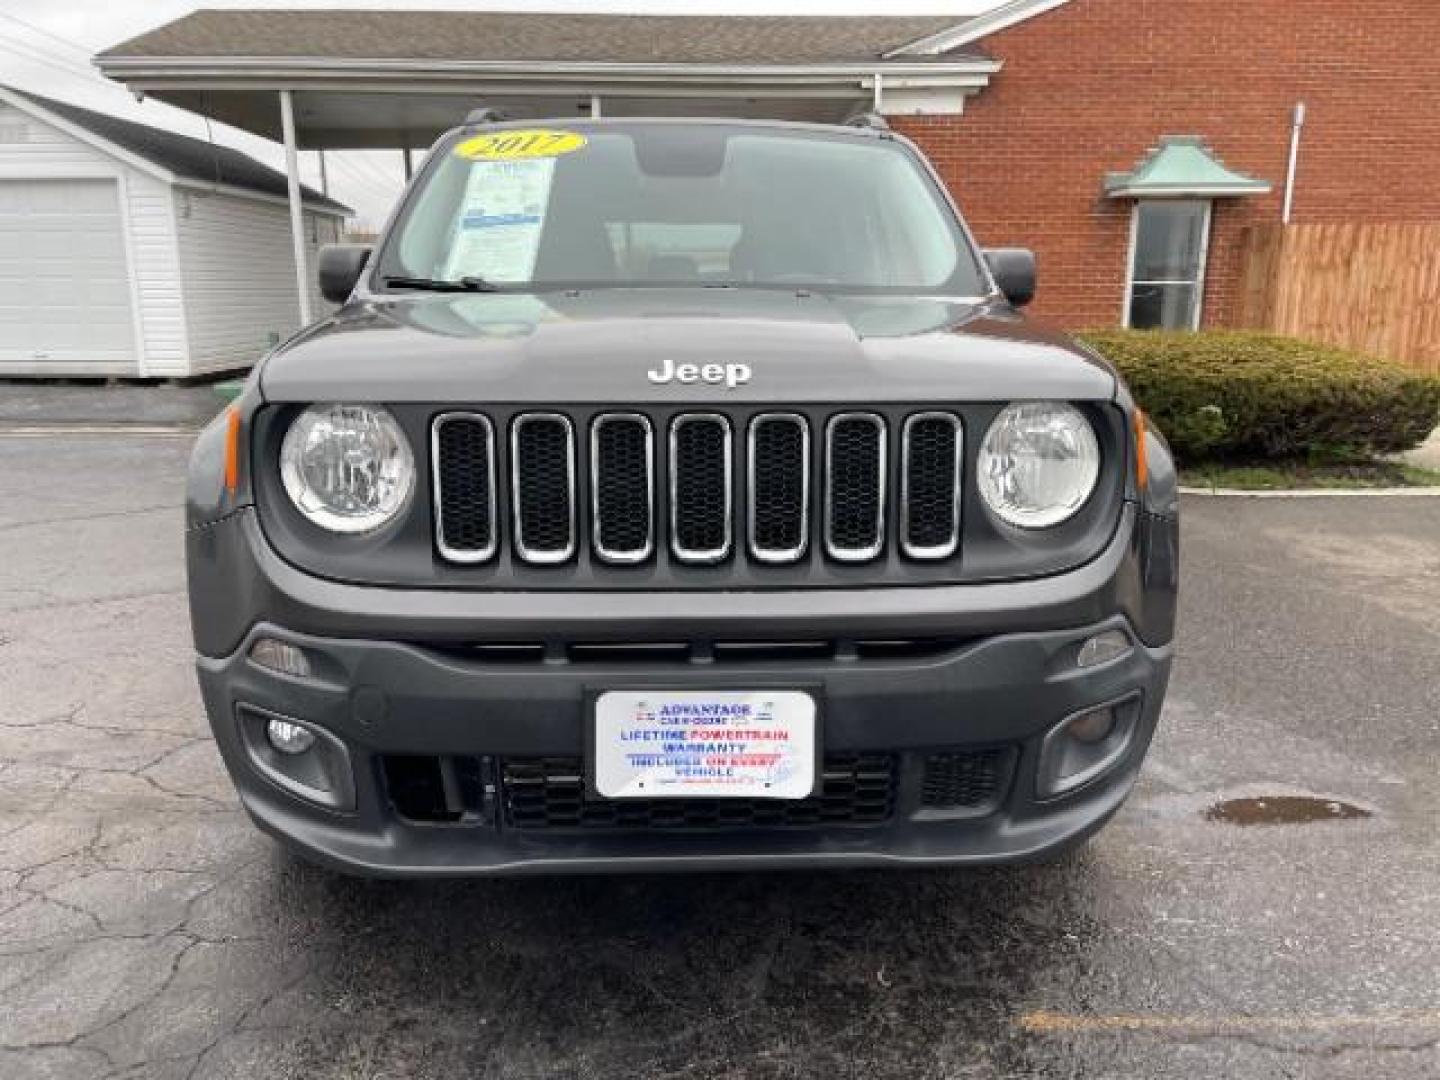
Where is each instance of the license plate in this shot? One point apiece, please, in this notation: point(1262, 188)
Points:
point(704, 744)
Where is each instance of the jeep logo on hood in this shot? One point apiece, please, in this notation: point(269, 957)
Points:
point(728, 375)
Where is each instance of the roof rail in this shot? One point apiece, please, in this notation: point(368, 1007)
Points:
point(485, 114)
point(867, 119)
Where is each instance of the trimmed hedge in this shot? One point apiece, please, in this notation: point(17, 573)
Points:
point(1233, 395)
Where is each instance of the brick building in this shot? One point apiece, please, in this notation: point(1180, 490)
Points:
point(1130, 143)
point(1088, 85)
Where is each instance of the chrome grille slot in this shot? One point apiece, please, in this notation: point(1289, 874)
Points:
point(542, 480)
point(622, 487)
point(854, 487)
point(931, 461)
point(778, 462)
point(462, 446)
point(701, 488)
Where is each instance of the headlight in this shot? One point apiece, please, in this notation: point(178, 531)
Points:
point(347, 467)
point(1038, 464)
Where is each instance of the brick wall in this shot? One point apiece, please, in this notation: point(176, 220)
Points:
point(1089, 87)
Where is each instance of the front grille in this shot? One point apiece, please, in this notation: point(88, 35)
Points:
point(700, 487)
point(549, 793)
point(779, 487)
point(542, 455)
point(855, 487)
point(622, 487)
point(693, 490)
point(464, 448)
point(930, 493)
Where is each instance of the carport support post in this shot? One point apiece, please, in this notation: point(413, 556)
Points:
point(297, 208)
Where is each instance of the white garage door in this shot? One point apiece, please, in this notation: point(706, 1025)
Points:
point(64, 289)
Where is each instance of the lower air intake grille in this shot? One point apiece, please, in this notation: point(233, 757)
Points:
point(549, 793)
point(434, 789)
point(965, 779)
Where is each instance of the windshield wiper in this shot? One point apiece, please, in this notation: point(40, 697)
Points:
point(464, 284)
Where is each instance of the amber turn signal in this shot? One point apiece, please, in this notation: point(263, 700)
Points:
point(232, 450)
point(1142, 463)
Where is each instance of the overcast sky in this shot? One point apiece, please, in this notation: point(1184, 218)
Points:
point(46, 47)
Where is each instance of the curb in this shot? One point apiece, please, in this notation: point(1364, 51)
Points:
point(67, 428)
point(1314, 493)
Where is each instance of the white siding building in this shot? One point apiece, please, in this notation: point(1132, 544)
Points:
point(126, 250)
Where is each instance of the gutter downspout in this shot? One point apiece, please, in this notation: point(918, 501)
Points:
point(297, 211)
point(1297, 127)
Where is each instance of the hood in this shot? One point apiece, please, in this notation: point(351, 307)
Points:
point(617, 345)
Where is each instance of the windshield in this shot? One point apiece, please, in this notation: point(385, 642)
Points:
point(680, 204)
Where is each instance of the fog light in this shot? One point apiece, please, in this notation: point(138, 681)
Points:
point(1086, 745)
point(301, 758)
point(1092, 727)
point(289, 738)
point(1103, 647)
point(280, 656)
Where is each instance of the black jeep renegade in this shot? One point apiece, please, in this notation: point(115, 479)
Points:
point(680, 494)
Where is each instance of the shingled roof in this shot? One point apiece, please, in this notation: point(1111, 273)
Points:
point(518, 38)
point(191, 159)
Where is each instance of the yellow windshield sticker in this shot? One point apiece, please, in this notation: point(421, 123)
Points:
point(518, 145)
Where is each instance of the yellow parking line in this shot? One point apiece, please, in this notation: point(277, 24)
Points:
point(1045, 1022)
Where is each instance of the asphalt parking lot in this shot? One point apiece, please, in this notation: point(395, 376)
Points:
point(147, 931)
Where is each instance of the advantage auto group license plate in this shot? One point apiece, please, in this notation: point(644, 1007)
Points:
point(704, 744)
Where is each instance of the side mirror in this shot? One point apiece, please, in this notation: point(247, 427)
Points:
point(340, 268)
point(1014, 272)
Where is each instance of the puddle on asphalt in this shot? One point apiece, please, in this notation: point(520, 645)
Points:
point(1282, 810)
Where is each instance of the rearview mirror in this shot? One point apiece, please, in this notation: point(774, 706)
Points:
point(340, 268)
point(1014, 272)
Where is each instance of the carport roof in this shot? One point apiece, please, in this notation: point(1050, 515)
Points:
point(179, 155)
point(516, 37)
point(400, 78)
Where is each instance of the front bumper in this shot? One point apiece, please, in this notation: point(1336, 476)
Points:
point(388, 680)
point(1003, 692)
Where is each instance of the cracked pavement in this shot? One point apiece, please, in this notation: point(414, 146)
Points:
point(146, 929)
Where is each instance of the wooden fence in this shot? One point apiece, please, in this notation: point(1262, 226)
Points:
point(1375, 288)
